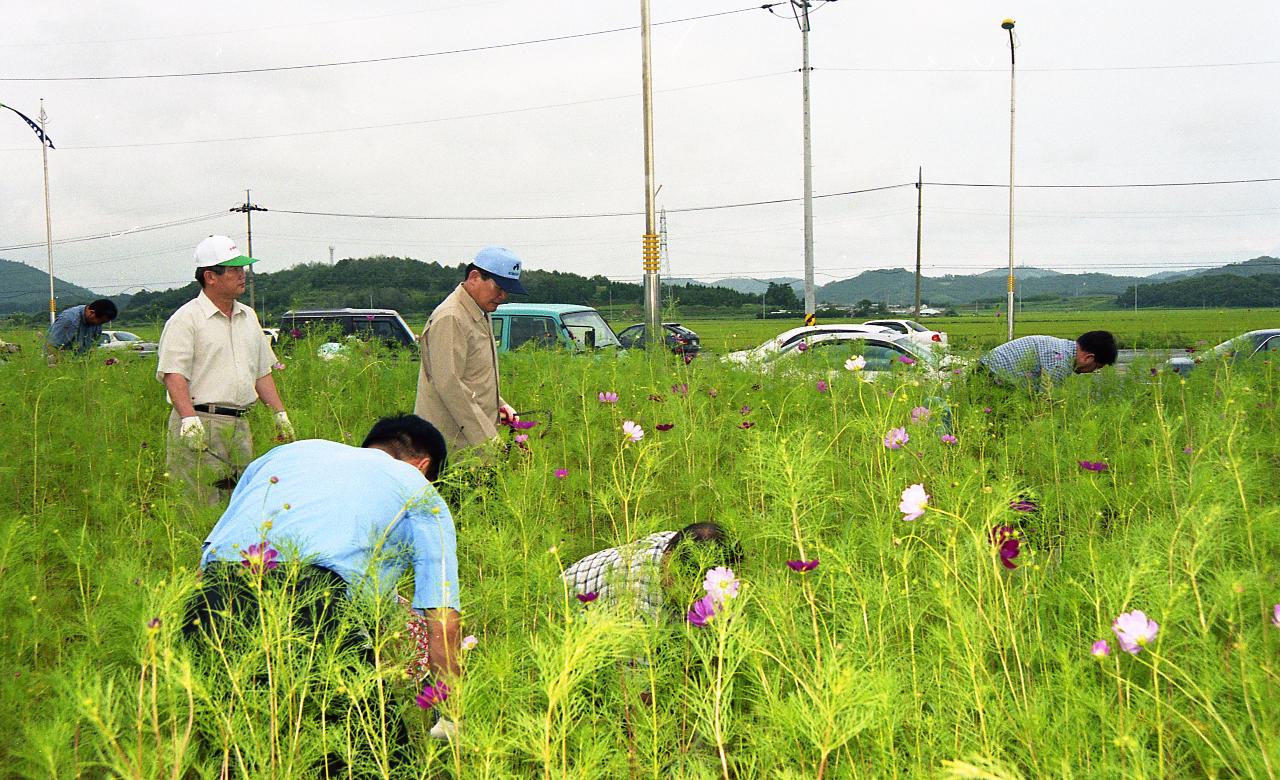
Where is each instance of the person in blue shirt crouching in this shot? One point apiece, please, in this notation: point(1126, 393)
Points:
point(322, 520)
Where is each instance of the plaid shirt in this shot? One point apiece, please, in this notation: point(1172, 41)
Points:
point(1038, 360)
point(632, 568)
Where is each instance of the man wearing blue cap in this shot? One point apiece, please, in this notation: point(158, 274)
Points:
point(458, 379)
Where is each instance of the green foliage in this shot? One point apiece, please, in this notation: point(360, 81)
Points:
point(1207, 290)
point(910, 651)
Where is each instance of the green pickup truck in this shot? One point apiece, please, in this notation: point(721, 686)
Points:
point(551, 324)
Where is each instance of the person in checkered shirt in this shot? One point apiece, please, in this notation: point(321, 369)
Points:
point(1041, 361)
point(654, 571)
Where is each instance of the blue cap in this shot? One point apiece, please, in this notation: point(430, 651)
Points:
point(503, 265)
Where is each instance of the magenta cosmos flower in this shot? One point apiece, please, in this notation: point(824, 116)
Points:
point(587, 598)
point(948, 439)
point(110, 362)
point(665, 426)
point(607, 397)
point(823, 386)
point(802, 347)
point(803, 566)
point(745, 409)
point(914, 502)
point(703, 610)
point(1100, 649)
point(1023, 505)
point(432, 695)
point(746, 425)
point(258, 558)
point(1005, 538)
point(680, 389)
point(1091, 465)
point(522, 425)
point(1135, 631)
point(562, 473)
point(895, 438)
point(906, 361)
point(632, 431)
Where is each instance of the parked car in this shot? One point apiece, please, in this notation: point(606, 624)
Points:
point(124, 340)
point(795, 336)
point(516, 325)
point(881, 352)
point(385, 325)
point(1244, 346)
point(914, 331)
point(680, 339)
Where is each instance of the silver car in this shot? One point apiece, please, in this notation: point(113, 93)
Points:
point(1246, 345)
point(124, 340)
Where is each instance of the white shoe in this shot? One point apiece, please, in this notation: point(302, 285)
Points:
point(444, 729)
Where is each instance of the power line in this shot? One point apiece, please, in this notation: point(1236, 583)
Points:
point(1101, 186)
point(121, 232)
point(1057, 69)
point(373, 60)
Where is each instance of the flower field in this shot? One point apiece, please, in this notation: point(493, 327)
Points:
point(935, 582)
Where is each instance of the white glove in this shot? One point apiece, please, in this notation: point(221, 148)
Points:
point(192, 434)
point(284, 428)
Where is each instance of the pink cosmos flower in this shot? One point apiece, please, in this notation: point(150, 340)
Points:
point(895, 438)
point(914, 502)
point(1089, 465)
point(562, 473)
point(1275, 616)
point(921, 414)
point(632, 431)
point(1100, 649)
point(986, 410)
point(822, 386)
point(469, 642)
point(432, 695)
point(721, 584)
point(703, 610)
point(607, 397)
point(1135, 631)
point(259, 558)
point(665, 426)
point(803, 566)
point(802, 347)
point(1186, 450)
point(587, 598)
point(745, 409)
point(680, 389)
point(948, 439)
point(277, 366)
point(521, 438)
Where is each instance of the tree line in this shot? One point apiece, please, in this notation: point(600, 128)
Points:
point(1219, 290)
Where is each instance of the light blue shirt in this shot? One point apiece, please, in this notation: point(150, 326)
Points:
point(70, 330)
point(358, 512)
point(1032, 359)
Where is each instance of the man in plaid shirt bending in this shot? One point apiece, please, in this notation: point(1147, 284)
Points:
point(1043, 361)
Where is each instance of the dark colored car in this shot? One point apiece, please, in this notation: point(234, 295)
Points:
point(680, 339)
point(384, 325)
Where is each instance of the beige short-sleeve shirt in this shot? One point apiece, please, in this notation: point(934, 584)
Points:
point(221, 357)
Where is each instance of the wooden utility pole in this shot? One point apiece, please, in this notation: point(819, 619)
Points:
point(919, 219)
point(248, 208)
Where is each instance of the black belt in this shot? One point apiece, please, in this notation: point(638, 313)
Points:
point(226, 411)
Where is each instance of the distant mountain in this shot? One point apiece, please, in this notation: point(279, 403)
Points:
point(896, 286)
point(684, 281)
point(751, 286)
point(1022, 273)
point(1254, 267)
point(26, 289)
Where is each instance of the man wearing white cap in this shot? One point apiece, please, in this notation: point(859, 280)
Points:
point(458, 379)
point(215, 363)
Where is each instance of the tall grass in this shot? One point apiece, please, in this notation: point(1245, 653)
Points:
point(911, 650)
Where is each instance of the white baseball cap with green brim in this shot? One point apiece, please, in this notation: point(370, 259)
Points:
point(220, 250)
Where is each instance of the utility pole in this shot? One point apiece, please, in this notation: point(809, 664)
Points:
point(248, 208)
point(1008, 24)
point(800, 9)
point(330, 254)
point(919, 220)
point(48, 220)
point(649, 250)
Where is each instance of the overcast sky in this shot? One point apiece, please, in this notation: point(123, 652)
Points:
point(1107, 93)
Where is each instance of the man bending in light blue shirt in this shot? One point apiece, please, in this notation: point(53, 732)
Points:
point(79, 327)
point(1041, 361)
point(354, 517)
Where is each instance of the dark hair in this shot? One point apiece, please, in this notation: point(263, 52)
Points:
point(473, 267)
point(104, 309)
point(705, 544)
point(1102, 344)
point(410, 435)
point(218, 270)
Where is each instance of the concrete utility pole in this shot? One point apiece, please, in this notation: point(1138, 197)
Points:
point(48, 219)
point(1008, 24)
point(800, 8)
point(650, 255)
point(330, 254)
point(919, 219)
point(248, 208)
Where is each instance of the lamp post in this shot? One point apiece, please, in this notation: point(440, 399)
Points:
point(1007, 24)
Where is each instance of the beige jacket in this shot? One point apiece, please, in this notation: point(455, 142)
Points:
point(458, 379)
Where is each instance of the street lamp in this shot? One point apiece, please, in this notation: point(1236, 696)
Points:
point(1007, 24)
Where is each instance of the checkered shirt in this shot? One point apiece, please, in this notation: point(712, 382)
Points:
point(632, 568)
point(1039, 360)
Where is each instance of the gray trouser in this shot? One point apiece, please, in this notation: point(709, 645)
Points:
point(211, 474)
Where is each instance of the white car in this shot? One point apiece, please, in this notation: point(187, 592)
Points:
point(123, 339)
point(875, 354)
point(795, 336)
point(914, 331)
